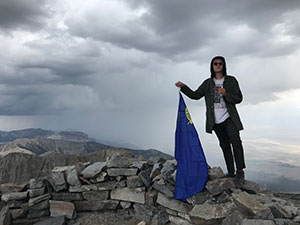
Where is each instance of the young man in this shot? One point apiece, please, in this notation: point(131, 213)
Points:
point(222, 93)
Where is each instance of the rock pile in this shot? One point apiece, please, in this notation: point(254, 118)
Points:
point(147, 188)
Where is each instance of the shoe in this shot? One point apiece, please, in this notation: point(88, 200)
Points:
point(239, 179)
point(230, 175)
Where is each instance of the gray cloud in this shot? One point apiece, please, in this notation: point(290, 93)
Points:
point(24, 14)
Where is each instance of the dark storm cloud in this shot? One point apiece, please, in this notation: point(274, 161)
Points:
point(177, 29)
point(23, 14)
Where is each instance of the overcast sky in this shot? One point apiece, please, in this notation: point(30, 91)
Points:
point(108, 68)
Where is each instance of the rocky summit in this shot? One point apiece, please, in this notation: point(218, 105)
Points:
point(127, 190)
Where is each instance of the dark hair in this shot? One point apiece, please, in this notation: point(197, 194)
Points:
point(224, 71)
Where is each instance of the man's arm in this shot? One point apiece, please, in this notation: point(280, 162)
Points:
point(235, 95)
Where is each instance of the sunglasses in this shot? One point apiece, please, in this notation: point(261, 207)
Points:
point(216, 63)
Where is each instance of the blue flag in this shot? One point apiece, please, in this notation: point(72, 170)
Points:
point(191, 176)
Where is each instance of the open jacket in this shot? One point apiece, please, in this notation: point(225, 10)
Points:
point(233, 96)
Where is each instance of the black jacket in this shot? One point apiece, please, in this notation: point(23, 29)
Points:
point(233, 96)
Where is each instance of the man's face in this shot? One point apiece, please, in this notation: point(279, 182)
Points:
point(218, 65)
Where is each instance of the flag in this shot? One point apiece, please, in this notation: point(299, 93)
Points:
point(191, 176)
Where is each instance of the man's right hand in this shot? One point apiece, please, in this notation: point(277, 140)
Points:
point(179, 84)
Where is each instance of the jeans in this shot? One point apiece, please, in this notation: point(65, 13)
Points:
point(228, 136)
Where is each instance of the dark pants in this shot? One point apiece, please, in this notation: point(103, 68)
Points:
point(228, 136)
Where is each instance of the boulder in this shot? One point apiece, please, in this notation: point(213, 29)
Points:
point(249, 205)
point(217, 186)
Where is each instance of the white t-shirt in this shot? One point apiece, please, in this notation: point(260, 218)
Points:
point(221, 113)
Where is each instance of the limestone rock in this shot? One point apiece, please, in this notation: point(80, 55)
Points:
point(235, 218)
point(199, 198)
point(129, 194)
point(216, 187)
point(145, 177)
point(215, 173)
point(93, 170)
point(208, 213)
point(82, 206)
point(72, 176)
point(178, 221)
point(95, 195)
point(36, 192)
point(173, 204)
point(134, 182)
point(114, 172)
point(66, 196)
point(119, 162)
point(249, 205)
point(14, 196)
point(163, 188)
point(36, 184)
point(38, 199)
point(61, 208)
point(5, 217)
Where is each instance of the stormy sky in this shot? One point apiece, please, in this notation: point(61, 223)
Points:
point(108, 68)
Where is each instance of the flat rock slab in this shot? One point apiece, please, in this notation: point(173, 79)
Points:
point(93, 170)
point(208, 213)
point(173, 204)
point(215, 173)
point(249, 205)
point(96, 195)
point(38, 199)
point(14, 196)
point(85, 206)
point(119, 162)
point(61, 208)
point(129, 194)
point(66, 196)
point(114, 172)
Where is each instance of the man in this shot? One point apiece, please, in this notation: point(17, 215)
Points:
point(222, 93)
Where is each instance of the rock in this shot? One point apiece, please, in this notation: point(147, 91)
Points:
point(57, 180)
point(76, 189)
point(249, 205)
point(151, 197)
point(297, 219)
point(155, 170)
point(210, 214)
point(119, 162)
point(216, 187)
point(199, 198)
point(17, 213)
point(143, 212)
point(178, 221)
point(129, 194)
point(66, 196)
point(110, 185)
point(251, 187)
point(145, 177)
point(14, 196)
point(5, 217)
point(36, 192)
point(139, 164)
point(215, 173)
point(99, 178)
point(36, 184)
point(38, 199)
point(134, 181)
point(163, 189)
point(95, 195)
point(168, 169)
point(125, 205)
point(82, 206)
point(257, 222)
point(94, 169)
point(278, 211)
point(52, 221)
point(160, 218)
point(173, 204)
point(114, 172)
point(37, 213)
point(72, 176)
point(154, 160)
point(61, 208)
point(142, 223)
point(235, 218)
point(41, 205)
